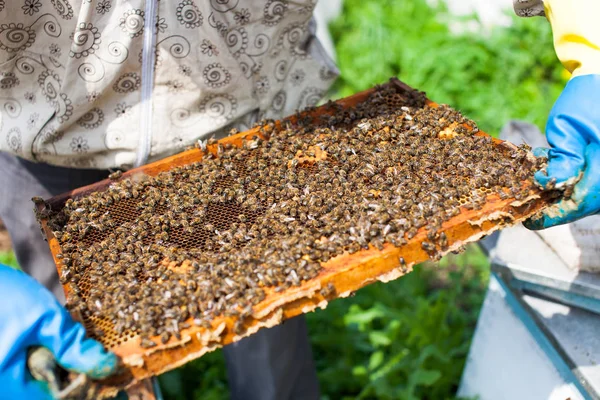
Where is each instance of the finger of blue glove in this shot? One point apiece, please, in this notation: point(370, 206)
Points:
point(15, 380)
point(565, 158)
point(67, 340)
point(37, 319)
point(23, 386)
point(36, 390)
point(72, 350)
point(573, 124)
point(584, 201)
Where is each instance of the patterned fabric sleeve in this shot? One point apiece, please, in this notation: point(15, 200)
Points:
point(528, 8)
point(71, 74)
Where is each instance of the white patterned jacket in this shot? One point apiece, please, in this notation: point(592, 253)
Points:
point(77, 89)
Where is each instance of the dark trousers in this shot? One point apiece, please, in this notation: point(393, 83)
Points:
point(273, 364)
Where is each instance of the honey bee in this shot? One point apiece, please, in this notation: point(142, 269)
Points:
point(238, 327)
point(443, 240)
point(328, 290)
point(115, 175)
point(147, 343)
point(38, 200)
point(427, 246)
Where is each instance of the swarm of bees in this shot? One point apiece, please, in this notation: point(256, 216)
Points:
point(154, 255)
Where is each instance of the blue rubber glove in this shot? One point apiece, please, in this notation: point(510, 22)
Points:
point(573, 132)
point(31, 316)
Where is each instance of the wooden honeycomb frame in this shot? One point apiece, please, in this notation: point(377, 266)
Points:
point(347, 272)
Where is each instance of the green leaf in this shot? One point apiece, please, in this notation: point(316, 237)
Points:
point(379, 338)
point(425, 377)
point(376, 360)
point(361, 317)
point(359, 370)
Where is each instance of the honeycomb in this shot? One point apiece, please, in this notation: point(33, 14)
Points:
point(219, 215)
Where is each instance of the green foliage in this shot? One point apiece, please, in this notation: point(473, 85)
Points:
point(509, 73)
point(406, 339)
point(8, 258)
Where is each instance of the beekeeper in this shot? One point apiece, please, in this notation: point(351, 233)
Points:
point(86, 86)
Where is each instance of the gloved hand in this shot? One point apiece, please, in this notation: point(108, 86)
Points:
point(31, 316)
point(573, 132)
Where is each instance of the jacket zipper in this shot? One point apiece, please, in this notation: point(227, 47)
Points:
point(148, 62)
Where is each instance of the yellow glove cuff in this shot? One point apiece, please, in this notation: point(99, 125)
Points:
point(576, 34)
